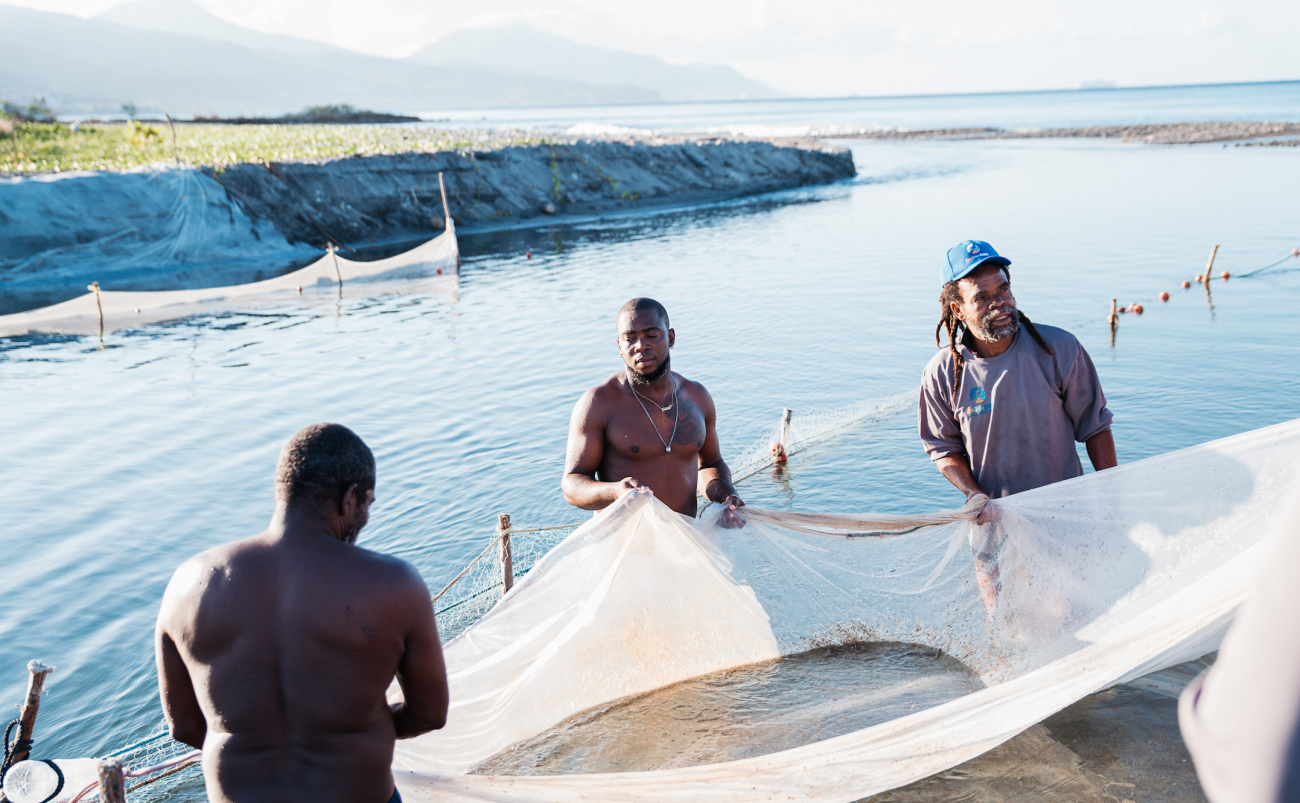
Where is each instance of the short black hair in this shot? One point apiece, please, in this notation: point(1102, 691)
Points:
point(319, 463)
point(642, 304)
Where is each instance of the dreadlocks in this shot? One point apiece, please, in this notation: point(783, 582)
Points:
point(958, 331)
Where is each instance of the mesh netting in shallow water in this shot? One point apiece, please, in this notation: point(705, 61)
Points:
point(1079, 586)
point(481, 585)
point(431, 267)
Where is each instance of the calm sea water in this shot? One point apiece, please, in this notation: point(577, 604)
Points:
point(123, 458)
point(1275, 101)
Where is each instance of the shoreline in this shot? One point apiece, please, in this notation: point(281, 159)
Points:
point(173, 227)
point(1155, 134)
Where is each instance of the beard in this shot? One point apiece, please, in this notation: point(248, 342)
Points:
point(639, 378)
point(354, 528)
point(986, 331)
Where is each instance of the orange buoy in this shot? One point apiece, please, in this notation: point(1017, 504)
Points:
point(439, 271)
point(1137, 309)
point(528, 254)
point(1164, 296)
point(299, 289)
point(1200, 279)
point(137, 309)
point(1225, 275)
point(1295, 252)
point(1122, 309)
point(1186, 285)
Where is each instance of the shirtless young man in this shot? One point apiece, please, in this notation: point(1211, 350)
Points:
point(274, 652)
point(646, 427)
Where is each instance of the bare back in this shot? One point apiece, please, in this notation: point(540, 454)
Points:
point(289, 643)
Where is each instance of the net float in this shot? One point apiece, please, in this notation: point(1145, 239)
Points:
point(299, 289)
point(528, 255)
point(1295, 252)
point(439, 271)
point(1186, 285)
point(1164, 296)
point(1225, 275)
point(1137, 309)
point(137, 309)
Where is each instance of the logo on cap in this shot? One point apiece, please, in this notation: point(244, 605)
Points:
point(972, 248)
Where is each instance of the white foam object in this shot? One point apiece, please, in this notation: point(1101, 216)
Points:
point(432, 266)
point(37, 782)
point(1105, 578)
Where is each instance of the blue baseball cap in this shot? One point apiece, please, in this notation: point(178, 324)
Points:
point(968, 255)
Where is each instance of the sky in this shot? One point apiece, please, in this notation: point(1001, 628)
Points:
point(833, 48)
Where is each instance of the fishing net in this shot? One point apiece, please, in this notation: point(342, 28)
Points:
point(431, 267)
point(481, 585)
point(1076, 587)
point(805, 429)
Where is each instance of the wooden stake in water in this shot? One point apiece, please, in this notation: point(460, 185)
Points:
point(1209, 266)
point(445, 212)
point(112, 783)
point(507, 554)
point(334, 254)
point(786, 415)
point(94, 288)
point(36, 672)
point(1113, 320)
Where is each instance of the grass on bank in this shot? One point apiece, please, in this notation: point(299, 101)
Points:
point(36, 147)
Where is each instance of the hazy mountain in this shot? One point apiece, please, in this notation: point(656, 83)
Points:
point(93, 66)
point(188, 17)
point(521, 51)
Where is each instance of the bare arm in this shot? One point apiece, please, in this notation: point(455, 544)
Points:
point(583, 456)
point(714, 478)
point(422, 673)
point(1101, 450)
point(956, 468)
point(179, 702)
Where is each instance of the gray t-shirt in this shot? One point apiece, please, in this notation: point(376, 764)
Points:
point(1016, 415)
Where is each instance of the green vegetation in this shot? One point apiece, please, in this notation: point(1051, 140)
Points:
point(41, 147)
point(38, 111)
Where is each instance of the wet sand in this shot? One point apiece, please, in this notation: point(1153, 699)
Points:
point(1121, 745)
point(750, 711)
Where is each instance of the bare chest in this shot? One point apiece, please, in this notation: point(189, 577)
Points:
point(637, 433)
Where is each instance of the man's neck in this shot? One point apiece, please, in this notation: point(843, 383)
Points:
point(299, 522)
point(660, 387)
point(984, 349)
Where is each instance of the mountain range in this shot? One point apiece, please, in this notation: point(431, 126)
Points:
point(173, 56)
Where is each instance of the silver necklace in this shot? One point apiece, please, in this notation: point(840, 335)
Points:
point(668, 445)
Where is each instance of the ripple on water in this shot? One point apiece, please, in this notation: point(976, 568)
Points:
point(749, 711)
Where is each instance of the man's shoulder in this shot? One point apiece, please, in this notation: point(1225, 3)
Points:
point(1055, 335)
point(939, 366)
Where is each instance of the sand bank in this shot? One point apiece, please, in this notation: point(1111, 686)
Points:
point(170, 227)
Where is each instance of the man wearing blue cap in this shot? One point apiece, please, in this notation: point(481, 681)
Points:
point(1000, 413)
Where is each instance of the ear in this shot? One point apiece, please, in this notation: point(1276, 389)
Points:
point(672, 337)
point(956, 311)
point(348, 503)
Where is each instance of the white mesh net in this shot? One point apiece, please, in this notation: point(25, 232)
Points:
point(1079, 586)
point(431, 267)
point(806, 429)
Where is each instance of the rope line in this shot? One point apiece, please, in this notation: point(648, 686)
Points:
point(1291, 255)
